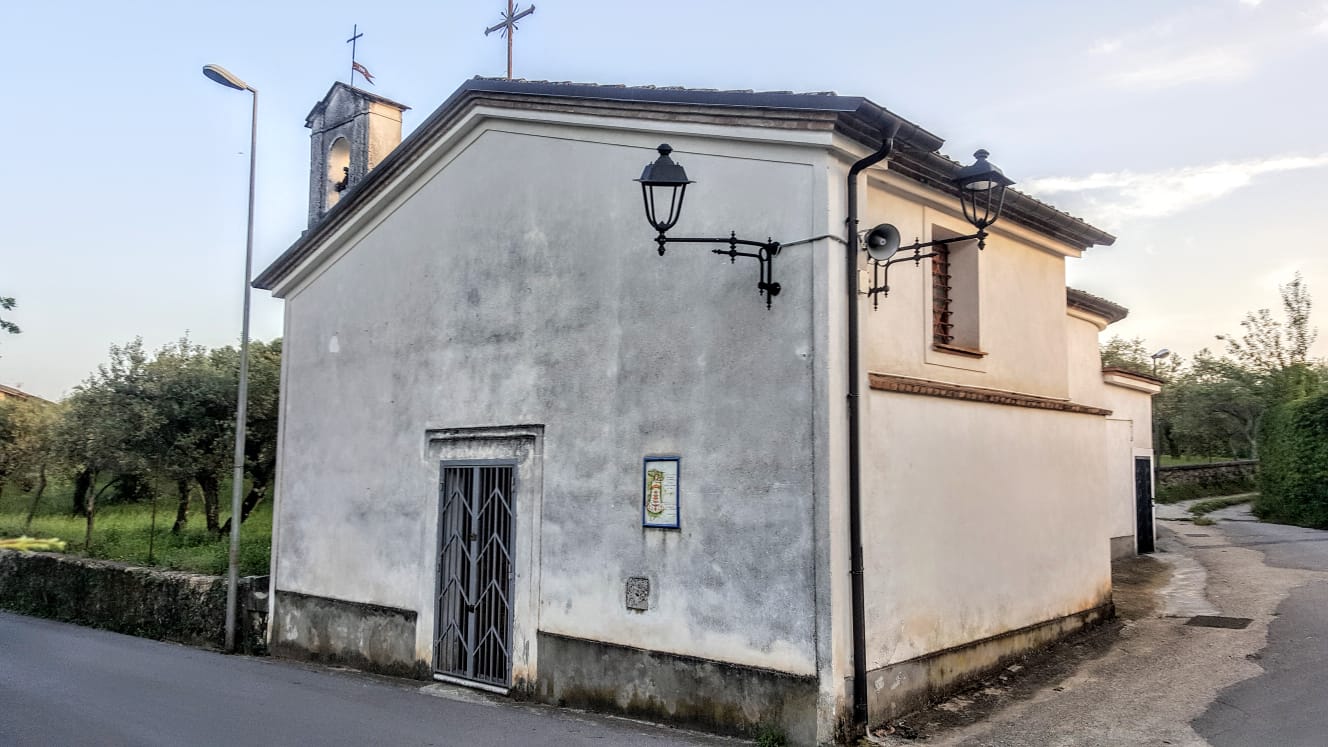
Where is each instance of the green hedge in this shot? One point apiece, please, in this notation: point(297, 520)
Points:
point(1293, 464)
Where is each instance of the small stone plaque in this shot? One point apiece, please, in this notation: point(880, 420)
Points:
point(638, 593)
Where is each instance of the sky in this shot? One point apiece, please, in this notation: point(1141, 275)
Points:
point(1193, 131)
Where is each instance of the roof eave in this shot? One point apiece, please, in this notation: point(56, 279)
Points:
point(858, 118)
point(1111, 311)
point(936, 171)
point(1130, 374)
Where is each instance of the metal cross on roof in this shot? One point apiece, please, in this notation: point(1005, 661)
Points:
point(508, 28)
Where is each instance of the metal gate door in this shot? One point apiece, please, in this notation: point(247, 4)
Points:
point(1143, 509)
point(474, 629)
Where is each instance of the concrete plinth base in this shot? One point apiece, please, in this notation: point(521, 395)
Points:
point(684, 690)
point(331, 631)
point(907, 686)
point(1122, 547)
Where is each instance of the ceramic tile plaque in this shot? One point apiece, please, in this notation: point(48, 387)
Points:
point(659, 494)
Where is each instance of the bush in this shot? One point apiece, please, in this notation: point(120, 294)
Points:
point(770, 736)
point(1293, 464)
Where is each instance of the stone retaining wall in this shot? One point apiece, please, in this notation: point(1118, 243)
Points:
point(1213, 473)
point(188, 608)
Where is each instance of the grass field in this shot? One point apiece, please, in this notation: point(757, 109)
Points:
point(121, 531)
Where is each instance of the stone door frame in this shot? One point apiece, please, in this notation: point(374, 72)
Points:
point(522, 445)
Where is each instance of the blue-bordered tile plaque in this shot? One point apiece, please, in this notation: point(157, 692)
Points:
point(659, 492)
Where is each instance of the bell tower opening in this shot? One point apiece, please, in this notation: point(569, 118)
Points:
point(338, 170)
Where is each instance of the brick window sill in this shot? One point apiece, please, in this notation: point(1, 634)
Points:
point(958, 350)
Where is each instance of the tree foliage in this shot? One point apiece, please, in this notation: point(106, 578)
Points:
point(26, 449)
point(1268, 345)
point(1130, 355)
point(145, 423)
point(1216, 407)
point(1215, 404)
point(108, 424)
point(7, 303)
point(196, 422)
point(261, 435)
point(21, 437)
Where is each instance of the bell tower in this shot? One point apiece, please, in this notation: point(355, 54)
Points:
point(353, 131)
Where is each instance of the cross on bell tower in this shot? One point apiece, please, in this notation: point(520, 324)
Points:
point(355, 66)
point(507, 28)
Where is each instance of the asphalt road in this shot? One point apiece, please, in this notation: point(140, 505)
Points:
point(1288, 704)
point(62, 684)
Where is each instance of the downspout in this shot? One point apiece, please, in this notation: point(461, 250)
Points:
point(854, 442)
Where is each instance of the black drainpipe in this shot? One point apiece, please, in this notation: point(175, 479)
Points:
point(854, 443)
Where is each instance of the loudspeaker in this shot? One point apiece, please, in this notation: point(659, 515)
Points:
point(882, 242)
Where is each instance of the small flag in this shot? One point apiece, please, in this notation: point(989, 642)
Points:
point(357, 67)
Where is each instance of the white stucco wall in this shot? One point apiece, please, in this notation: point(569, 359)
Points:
point(1131, 438)
point(979, 519)
point(1134, 405)
point(1022, 291)
point(1118, 489)
point(1129, 428)
point(1085, 358)
point(519, 285)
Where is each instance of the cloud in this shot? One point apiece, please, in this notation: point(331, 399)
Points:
point(1121, 195)
point(1213, 66)
point(1160, 31)
point(1205, 44)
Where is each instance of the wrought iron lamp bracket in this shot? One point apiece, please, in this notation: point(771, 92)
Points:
point(765, 254)
point(881, 269)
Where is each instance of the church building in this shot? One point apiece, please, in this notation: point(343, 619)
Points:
point(711, 407)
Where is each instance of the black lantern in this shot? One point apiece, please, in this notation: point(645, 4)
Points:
point(981, 191)
point(664, 184)
point(663, 181)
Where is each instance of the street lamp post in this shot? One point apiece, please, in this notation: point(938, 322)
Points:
point(1159, 355)
point(220, 75)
